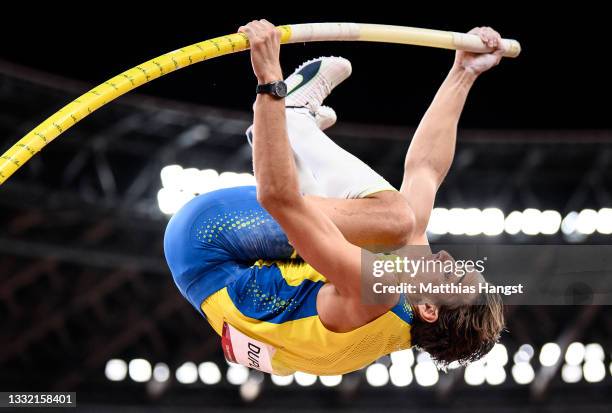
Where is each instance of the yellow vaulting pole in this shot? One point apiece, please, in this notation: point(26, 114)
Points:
point(102, 94)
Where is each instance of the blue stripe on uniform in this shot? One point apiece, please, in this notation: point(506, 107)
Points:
point(403, 310)
point(265, 295)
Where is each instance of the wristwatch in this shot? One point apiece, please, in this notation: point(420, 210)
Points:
point(277, 89)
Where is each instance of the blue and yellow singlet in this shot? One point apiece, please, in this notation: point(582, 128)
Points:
point(231, 260)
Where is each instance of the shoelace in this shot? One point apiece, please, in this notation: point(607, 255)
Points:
point(319, 93)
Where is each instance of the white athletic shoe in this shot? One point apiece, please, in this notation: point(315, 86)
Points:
point(310, 84)
point(314, 80)
point(325, 117)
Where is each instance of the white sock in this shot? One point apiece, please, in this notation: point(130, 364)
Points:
point(324, 168)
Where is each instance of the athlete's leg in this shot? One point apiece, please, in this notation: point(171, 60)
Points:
point(365, 207)
point(380, 222)
point(324, 168)
point(336, 172)
point(368, 211)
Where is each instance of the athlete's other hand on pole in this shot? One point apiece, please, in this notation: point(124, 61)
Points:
point(264, 40)
point(478, 63)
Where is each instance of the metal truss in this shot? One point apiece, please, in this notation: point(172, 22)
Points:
point(82, 275)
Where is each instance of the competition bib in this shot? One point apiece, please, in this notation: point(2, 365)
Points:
point(242, 349)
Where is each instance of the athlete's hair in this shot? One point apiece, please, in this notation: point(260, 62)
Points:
point(463, 334)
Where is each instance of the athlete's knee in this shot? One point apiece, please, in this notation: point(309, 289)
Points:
point(400, 220)
point(403, 224)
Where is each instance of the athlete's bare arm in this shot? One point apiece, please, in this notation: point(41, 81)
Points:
point(432, 148)
point(310, 231)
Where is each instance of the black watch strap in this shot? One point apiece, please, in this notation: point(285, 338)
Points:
point(277, 89)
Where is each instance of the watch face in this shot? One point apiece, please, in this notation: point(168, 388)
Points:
point(281, 89)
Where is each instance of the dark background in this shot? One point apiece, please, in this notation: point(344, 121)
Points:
point(561, 79)
point(82, 273)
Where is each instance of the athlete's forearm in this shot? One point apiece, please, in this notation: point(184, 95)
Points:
point(273, 163)
point(272, 158)
point(433, 144)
